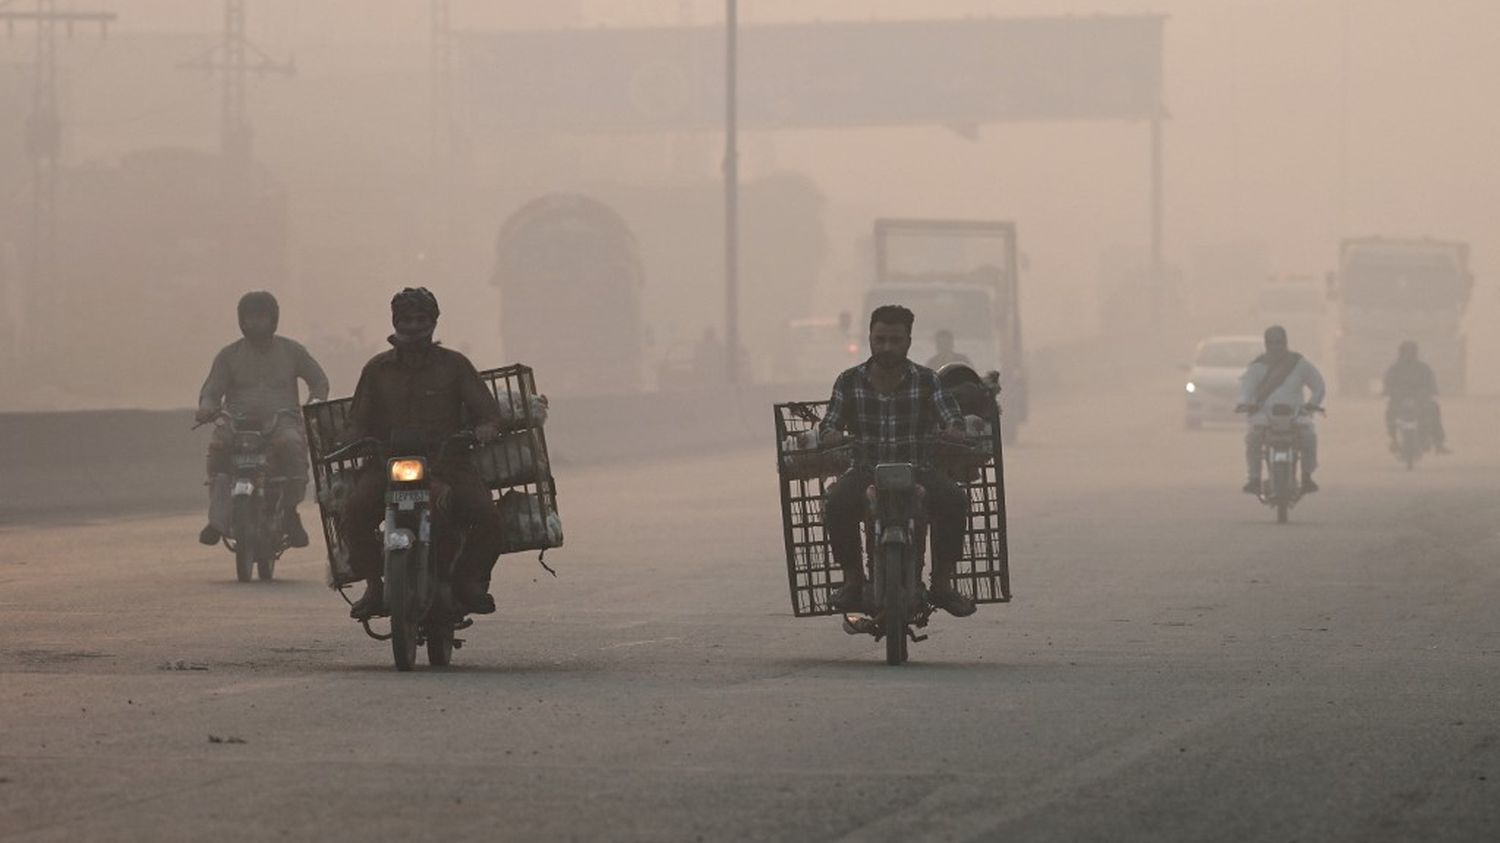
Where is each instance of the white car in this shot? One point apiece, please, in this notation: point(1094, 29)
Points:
point(1213, 382)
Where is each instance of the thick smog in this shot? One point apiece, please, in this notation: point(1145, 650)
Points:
point(695, 419)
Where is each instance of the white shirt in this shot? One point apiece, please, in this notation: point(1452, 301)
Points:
point(1304, 376)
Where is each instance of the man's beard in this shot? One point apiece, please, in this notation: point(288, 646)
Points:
point(887, 359)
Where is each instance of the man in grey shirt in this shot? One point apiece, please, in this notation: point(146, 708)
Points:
point(1280, 376)
point(257, 377)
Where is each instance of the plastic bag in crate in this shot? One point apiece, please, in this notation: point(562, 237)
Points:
point(800, 459)
point(513, 407)
point(528, 523)
point(511, 460)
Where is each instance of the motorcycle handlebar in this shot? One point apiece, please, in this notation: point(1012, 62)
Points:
point(237, 418)
point(466, 437)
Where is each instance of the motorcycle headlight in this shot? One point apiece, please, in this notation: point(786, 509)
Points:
point(408, 471)
point(1191, 387)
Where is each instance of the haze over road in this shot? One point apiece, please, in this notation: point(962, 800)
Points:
point(1175, 666)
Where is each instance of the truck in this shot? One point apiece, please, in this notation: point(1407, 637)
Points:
point(1391, 289)
point(959, 276)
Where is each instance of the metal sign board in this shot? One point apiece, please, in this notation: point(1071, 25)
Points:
point(818, 75)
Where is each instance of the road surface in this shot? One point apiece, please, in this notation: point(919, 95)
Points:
point(1174, 667)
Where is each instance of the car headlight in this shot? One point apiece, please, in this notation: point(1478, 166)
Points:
point(408, 471)
point(1191, 387)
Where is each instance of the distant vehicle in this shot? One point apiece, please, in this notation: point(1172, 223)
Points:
point(1213, 382)
point(1395, 289)
point(816, 349)
point(961, 276)
point(1299, 304)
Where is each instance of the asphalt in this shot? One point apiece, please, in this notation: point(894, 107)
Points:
point(1175, 666)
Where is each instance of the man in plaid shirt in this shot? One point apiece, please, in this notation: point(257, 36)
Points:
point(893, 407)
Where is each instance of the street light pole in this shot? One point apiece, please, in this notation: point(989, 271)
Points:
point(731, 192)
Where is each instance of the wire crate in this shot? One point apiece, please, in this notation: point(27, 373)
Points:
point(983, 573)
point(516, 467)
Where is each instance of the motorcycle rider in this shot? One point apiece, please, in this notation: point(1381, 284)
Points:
point(1409, 378)
point(256, 377)
point(945, 353)
point(890, 404)
point(421, 392)
point(1279, 377)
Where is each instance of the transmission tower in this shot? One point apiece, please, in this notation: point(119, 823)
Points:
point(44, 148)
point(236, 59)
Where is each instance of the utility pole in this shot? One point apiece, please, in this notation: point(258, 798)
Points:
point(236, 59)
point(732, 191)
point(442, 148)
point(44, 148)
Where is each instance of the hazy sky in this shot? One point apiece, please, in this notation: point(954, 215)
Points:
point(1262, 118)
point(1292, 122)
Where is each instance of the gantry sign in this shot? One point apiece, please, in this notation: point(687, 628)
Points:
point(957, 73)
point(962, 73)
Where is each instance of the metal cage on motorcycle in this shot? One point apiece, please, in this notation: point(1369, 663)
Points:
point(515, 466)
point(812, 575)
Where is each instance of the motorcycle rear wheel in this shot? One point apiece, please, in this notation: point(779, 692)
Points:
point(398, 595)
point(244, 538)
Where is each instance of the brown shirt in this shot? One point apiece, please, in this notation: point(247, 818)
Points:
point(259, 379)
point(425, 393)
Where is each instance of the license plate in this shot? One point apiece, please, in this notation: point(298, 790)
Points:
point(409, 498)
point(252, 460)
point(1281, 456)
point(243, 487)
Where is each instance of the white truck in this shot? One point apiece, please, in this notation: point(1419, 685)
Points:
point(959, 276)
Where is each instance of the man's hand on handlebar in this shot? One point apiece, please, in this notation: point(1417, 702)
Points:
point(953, 434)
point(832, 438)
point(486, 432)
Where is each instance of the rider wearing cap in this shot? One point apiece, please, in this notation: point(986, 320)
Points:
point(256, 377)
point(1280, 376)
point(420, 392)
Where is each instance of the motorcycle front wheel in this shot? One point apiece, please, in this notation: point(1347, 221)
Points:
point(893, 607)
point(440, 648)
point(399, 595)
point(244, 537)
point(1281, 487)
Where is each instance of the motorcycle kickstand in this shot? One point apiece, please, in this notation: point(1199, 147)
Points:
point(912, 634)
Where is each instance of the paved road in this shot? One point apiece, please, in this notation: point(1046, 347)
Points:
point(1175, 667)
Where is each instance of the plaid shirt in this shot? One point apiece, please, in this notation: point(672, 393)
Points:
point(891, 426)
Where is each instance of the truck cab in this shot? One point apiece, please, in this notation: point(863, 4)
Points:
point(959, 276)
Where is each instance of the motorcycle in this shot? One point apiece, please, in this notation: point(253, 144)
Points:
point(896, 602)
point(256, 535)
point(418, 577)
point(1410, 443)
point(1281, 456)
